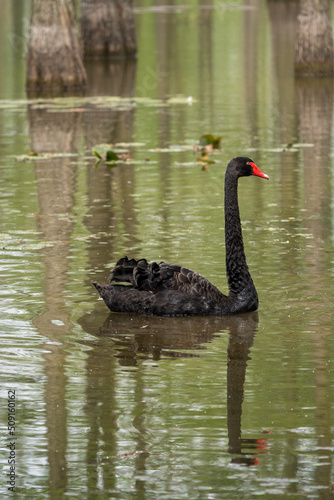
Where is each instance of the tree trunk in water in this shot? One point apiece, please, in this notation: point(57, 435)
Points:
point(107, 28)
point(314, 41)
point(53, 59)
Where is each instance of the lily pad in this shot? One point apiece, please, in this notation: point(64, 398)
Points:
point(173, 148)
point(129, 144)
point(181, 100)
point(43, 156)
point(302, 145)
point(86, 104)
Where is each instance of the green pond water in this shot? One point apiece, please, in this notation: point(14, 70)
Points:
point(111, 406)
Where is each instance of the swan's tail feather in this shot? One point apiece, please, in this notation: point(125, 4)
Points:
point(124, 270)
point(139, 273)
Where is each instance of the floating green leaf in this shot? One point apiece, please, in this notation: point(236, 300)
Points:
point(111, 156)
point(209, 139)
point(105, 152)
point(100, 150)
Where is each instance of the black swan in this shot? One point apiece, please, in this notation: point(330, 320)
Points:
point(172, 290)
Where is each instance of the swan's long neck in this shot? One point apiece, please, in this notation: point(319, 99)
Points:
point(237, 271)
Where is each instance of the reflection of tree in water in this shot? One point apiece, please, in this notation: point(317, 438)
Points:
point(313, 100)
point(111, 78)
point(56, 181)
point(128, 340)
point(315, 113)
point(111, 205)
point(282, 17)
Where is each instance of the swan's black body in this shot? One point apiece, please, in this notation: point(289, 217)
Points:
point(172, 290)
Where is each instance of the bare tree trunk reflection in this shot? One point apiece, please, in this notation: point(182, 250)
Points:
point(55, 181)
point(205, 62)
point(112, 78)
point(251, 63)
point(315, 113)
point(111, 216)
point(282, 16)
point(101, 411)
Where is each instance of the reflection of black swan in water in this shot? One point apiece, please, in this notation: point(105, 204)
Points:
point(172, 290)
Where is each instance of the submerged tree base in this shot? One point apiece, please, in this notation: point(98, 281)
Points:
point(108, 29)
point(53, 58)
point(314, 40)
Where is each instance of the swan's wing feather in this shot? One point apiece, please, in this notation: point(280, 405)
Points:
point(193, 283)
point(155, 277)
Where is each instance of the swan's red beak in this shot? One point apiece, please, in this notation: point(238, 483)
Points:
point(257, 171)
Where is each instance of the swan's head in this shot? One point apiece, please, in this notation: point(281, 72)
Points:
point(243, 167)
